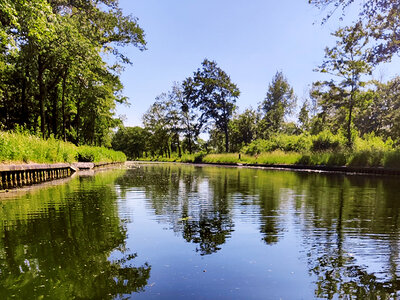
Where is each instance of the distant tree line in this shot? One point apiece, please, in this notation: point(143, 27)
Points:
point(346, 103)
point(54, 79)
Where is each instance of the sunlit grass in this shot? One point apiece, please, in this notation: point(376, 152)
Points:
point(18, 147)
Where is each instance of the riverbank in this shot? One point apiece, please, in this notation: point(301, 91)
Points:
point(363, 162)
point(23, 148)
point(22, 175)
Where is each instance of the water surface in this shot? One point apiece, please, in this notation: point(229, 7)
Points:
point(187, 232)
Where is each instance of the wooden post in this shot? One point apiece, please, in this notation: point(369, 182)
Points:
point(19, 178)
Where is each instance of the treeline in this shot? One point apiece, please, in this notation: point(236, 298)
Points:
point(174, 122)
point(345, 105)
point(54, 79)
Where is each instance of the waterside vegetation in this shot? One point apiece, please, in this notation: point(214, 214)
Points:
point(25, 148)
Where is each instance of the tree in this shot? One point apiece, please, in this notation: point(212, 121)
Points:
point(243, 129)
point(381, 22)
point(278, 103)
point(212, 92)
point(304, 116)
point(131, 141)
point(380, 114)
point(53, 76)
point(156, 123)
point(189, 125)
point(348, 60)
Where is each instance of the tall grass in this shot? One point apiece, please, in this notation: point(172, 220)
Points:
point(19, 147)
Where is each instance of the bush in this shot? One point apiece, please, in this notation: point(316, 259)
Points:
point(391, 159)
point(284, 142)
point(327, 141)
point(370, 142)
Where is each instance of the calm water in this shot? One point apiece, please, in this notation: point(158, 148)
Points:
point(185, 232)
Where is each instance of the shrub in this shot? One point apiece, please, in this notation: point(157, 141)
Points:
point(327, 141)
point(391, 159)
point(284, 142)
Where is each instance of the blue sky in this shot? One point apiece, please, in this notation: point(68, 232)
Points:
point(250, 40)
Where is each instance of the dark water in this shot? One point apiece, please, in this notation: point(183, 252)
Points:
point(172, 232)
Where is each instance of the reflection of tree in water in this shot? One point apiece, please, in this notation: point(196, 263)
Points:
point(209, 232)
point(194, 205)
point(63, 251)
point(271, 227)
point(347, 205)
point(338, 275)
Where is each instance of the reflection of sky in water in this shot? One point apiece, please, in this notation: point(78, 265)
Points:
point(207, 233)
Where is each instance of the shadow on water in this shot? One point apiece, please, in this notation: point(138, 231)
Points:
point(55, 243)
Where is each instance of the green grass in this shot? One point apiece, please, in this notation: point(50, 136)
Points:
point(324, 149)
point(268, 158)
point(18, 147)
point(388, 158)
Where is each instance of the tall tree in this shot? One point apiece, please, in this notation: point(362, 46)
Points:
point(190, 127)
point(278, 103)
point(212, 92)
point(55, 79)
point(155, 121)
point(304, 116)
point(347, 61)
point(380, 20)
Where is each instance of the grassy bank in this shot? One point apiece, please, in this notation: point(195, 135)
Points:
point(323, 149)
point(25, 148)
point(387, 159)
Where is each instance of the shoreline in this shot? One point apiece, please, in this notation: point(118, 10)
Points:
point(377, 171)
point(16, 176)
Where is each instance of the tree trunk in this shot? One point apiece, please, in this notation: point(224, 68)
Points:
point(78, 121)
point(349, 141)
point(190, 142)
point(63, 104)
point(42, 96)
point(226, 139)
point(179, 145)
point(55, 112)
point(24, 108)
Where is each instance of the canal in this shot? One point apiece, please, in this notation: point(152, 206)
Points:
point(187, 232)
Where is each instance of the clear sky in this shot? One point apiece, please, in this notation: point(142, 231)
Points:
point(250, 40)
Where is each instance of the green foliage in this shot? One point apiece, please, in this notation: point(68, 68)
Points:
point(214, 95)
point(22, 147)
point(243, 129)
point(392, 159)
point(18, 147)
point(288, 143)
point(131, 141)
point(326, 141)
point(279, 102)
point(348, 60)
point(380, 20)
point(99, 154)
point(193, 158)
point(53, 75)
point(271, 158)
